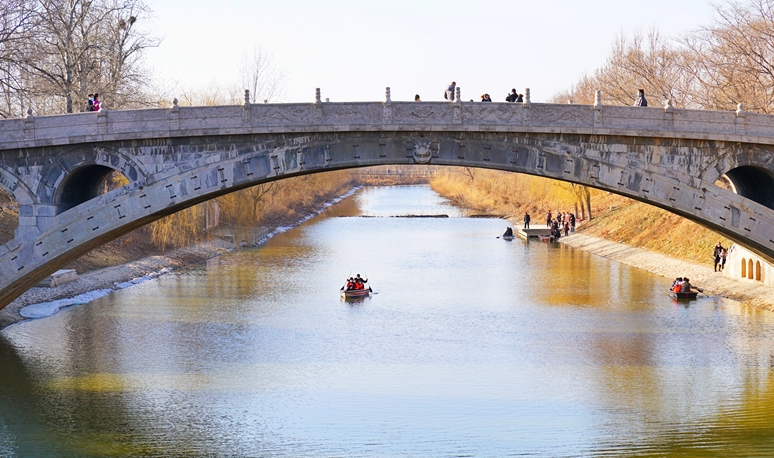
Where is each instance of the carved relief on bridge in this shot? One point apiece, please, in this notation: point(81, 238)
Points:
point(421, 113)
point(563, 115)
point(281, 114)
point(352, 113)
point(424, 151)
point(485, 113)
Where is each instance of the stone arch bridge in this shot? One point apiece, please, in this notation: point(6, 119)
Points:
point(54, 166)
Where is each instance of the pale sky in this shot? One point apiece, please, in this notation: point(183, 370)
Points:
point(353, 49)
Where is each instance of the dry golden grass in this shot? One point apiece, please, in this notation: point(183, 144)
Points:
point(615, 217)
point(271, 204)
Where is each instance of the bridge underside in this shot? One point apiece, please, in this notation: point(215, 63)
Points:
point(62, 217)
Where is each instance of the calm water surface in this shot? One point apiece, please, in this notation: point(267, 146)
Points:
point(473, 346)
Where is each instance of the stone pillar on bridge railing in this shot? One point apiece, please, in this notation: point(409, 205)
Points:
point(739, 126)
point(527, 106)
point(174, 115)
point(247, 108)
point(387, 107)
point(457, 106)
point(102, 119)
point(669, 115)
point(317, 107)
point(29, 125)
point(598, 109)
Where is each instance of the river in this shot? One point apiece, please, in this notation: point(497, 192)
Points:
point(470, 346)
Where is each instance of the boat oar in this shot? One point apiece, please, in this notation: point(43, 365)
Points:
point(702, 291)
point(369, 286)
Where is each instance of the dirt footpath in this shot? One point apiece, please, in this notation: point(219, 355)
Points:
point(748, 292)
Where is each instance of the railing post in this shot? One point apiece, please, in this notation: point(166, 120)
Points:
point(526, 119)
point(102, 119)
point(669, 115)
point(317, 107)
point(29, 125)
point(387, 107)
point(598, 109)
point(739, 126)
point(457, 106)
point(174, 116)
point(247, 108)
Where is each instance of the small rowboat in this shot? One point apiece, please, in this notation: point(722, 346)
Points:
point(354, 293)
point(691, 295)
point(507, 237)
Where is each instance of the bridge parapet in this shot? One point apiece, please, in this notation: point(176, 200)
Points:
point(80, 128)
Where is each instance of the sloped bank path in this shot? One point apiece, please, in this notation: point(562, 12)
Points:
point(41, 302)
point(715, 283)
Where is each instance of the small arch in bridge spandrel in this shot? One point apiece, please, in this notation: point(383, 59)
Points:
point(9, 216)
point(96, 162)
point(754, 183)
point(85, 184)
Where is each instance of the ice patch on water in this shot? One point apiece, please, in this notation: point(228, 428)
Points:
point(144, 278)
point(46, 309)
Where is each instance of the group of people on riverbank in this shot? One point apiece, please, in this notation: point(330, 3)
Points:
point(355, 283)
point(564, 222)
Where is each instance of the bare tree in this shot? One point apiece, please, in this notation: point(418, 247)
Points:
point(261, 77)
point(15, 24)
point(734, 57)
point(74, 47)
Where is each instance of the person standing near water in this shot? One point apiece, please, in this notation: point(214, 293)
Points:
point(526, 220)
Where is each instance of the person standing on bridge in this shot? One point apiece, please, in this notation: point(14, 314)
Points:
point(417, 99)
point(526, 220)
point(449, 94)
point(512, 96)
point(640, 101)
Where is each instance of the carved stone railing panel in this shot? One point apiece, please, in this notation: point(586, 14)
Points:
point(715, 122)
point(491, 113)
point(562, 115)
point(633, 118)
point(282, 115)
point(428, 113)
point(352, 113)
point(761, 125)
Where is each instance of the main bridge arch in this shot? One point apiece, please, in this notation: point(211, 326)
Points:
point(179, 168)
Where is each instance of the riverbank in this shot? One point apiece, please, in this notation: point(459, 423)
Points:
point(40, 302)
point(714, 283)
point(91, 285)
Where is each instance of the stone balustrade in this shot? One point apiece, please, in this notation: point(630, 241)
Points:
point(667, 122)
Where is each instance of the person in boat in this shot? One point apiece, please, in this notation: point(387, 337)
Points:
point(508, 232)
point(686, 286)
point(360, 282)
point(677, 285)
point(350, 284)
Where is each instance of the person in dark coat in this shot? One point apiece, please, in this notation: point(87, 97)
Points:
point(512, 96)
point(526, 220)
point(716, 255)
point(640, 101)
